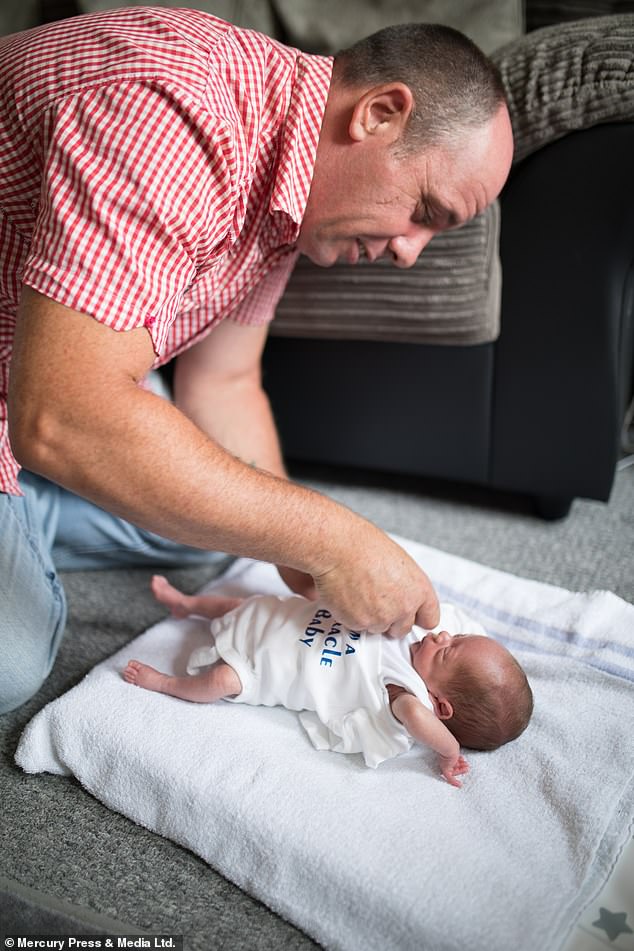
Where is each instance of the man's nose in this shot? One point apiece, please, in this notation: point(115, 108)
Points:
point(406, 248)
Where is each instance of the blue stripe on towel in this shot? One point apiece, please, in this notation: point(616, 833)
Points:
point(549, 632)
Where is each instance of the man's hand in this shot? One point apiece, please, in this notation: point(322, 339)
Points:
point(400, 594)
point(376, 586)
point(452, 766)
point(298, 581)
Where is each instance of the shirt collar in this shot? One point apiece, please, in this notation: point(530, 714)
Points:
point(299, 141)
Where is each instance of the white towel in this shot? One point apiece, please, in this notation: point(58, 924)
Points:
point(394, 857)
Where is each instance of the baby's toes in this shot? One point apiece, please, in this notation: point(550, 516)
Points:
point(131, 673)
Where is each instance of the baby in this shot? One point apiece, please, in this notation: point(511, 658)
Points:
point(355, 692)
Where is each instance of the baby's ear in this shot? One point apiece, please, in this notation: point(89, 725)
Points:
point(442, 707)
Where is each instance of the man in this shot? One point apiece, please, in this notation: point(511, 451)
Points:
point(160, 172)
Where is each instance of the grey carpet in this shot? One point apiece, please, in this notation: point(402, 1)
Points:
point(70, 866)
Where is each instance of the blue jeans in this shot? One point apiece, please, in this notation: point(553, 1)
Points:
point(49, 530)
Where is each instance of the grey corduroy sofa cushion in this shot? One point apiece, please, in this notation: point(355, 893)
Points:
point(450, 296)
point(568, 77)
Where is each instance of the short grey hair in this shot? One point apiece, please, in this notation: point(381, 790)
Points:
point(456, 88)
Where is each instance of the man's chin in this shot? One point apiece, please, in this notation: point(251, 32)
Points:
point(322, 257)
point(321, 260)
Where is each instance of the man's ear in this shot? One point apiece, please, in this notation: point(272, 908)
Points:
point(383, 110)
point(442, 707)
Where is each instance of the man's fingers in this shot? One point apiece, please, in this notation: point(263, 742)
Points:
point(386, 592)
point(397, 628)
point(428, 614)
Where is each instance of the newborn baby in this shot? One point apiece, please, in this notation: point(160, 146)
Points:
point(355, 692)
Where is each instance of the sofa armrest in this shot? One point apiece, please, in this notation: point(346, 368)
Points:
point(563, 364)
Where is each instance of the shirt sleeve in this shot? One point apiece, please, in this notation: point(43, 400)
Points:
point(138, 191)
point(259, 306)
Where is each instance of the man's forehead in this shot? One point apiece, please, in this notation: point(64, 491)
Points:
point(456, 195)
point(466, 178)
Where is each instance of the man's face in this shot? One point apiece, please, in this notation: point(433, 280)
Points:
point(373, 203)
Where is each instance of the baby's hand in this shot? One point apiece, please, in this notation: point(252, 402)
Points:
point(452, 766)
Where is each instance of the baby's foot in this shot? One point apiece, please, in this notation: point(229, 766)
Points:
point(142, 675)
point(170, 596)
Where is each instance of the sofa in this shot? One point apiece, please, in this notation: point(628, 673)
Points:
point(538, 408)
point(537, 411)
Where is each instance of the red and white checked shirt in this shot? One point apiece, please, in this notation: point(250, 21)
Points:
point(154, 171)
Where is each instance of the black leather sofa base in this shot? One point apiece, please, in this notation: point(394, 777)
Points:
point(539, 411)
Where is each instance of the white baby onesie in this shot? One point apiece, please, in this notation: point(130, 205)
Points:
point(292, 652)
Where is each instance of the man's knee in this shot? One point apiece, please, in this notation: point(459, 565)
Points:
point(30, 644)
point(18, 686)
point(33, 612)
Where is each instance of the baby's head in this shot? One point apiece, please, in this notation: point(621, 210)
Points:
point(477, 687)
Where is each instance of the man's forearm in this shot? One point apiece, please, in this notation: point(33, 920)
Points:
point(148, 463)
point(218, 385)
point(238, 416)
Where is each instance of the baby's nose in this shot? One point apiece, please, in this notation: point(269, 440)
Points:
point(442, 636)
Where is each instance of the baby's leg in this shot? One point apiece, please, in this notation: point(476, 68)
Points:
point(182, 605)
point(219, 681)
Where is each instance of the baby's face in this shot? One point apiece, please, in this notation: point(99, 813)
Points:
point(435, 657)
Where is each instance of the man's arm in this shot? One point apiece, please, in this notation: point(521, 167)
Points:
point(424, 726)
point(218, 385)
point(78, 416)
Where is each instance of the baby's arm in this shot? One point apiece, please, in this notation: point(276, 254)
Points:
point(425, 727)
